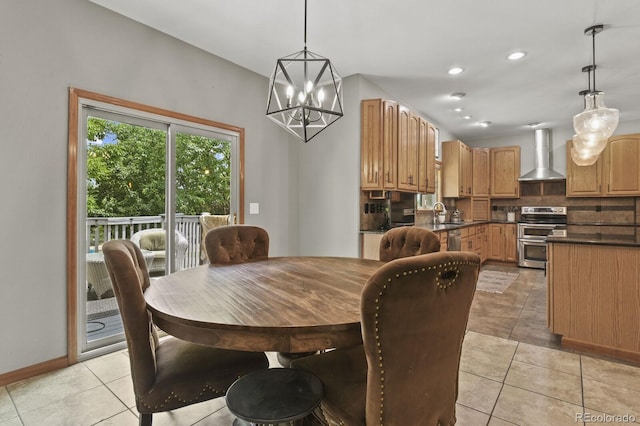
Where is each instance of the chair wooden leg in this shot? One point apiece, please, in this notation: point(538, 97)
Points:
point(145, 419)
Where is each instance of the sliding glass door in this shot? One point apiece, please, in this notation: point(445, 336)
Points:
point(147, 178)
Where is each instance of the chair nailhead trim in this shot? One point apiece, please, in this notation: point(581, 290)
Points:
point(443, 267)
point(173, 395)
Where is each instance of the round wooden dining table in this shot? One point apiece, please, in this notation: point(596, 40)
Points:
point(283, 304)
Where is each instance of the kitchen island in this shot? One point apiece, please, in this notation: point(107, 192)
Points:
point(593, 298)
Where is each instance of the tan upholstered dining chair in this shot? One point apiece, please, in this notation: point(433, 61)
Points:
point(170, 373)
point(407, 241)
point(236, 244)
point(207, 223)
point(414, 314)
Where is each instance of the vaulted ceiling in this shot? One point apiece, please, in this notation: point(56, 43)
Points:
point(407, 46)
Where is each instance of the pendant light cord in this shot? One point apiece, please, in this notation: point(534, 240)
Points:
point(593, 56)
point(305, 24)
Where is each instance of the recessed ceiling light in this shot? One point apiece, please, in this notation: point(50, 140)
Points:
point(457, 95)
point(455, 70)
point(458, 109)
point(484, 123)
point(467, 117)
point(516, 55)
point(536, 124)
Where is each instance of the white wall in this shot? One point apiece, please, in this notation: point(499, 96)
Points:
point(46, 47)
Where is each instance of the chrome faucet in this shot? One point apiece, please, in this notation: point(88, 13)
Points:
point(444, 210)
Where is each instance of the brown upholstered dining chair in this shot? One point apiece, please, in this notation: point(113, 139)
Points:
point(236, 244)
point(168, 373)
point(407, 241)
point(414, 313)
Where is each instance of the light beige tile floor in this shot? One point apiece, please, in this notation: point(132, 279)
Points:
point(502, 382)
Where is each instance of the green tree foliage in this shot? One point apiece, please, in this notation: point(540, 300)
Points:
point(126, 171)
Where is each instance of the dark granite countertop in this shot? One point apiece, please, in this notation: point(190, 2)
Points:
point(440, 226)
point(598, 239)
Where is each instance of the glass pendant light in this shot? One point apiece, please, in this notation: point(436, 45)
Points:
point(582, 155)
point(596, 123)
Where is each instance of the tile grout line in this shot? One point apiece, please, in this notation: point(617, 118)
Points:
point(520, 314)
point(503, 383)
point(104, 384)
point(582, 389)
point(15, 407)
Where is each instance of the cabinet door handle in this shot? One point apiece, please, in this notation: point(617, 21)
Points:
point(376, 176)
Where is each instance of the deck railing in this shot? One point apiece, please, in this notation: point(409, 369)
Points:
point(102, 229)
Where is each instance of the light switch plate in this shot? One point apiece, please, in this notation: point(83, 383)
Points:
point(254, 208)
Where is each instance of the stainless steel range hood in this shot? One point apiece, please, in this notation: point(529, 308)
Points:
point(543, 170)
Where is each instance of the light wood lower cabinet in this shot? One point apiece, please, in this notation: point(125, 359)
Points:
point(474, 238)
point(503, 242)
point(443, 240)
point(593, 297)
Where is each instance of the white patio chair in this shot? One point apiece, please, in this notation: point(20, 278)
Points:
point(154, 241)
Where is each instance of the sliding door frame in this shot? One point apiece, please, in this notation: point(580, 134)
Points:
point(77, 97)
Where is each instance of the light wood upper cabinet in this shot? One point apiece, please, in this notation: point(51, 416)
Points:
point(408, 133)
point(622, 165)
point(397, 148)
point(456, 169)
point(426, 157)
point(504, 172)
point(371, 166)
point(480, 180)
point(615, 174)
point(379, 147)
point(583, 181)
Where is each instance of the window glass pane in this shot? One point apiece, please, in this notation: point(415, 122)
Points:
point(125, 195)
point(203, 186)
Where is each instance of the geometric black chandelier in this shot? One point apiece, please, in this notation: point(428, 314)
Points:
point(596, 123)
point(305, 92)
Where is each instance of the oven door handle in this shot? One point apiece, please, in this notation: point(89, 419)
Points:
point(532, 241)
point(542, 225)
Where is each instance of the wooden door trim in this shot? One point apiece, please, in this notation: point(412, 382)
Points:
point(72, 191)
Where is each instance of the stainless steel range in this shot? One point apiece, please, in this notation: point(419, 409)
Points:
point(536, 224)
